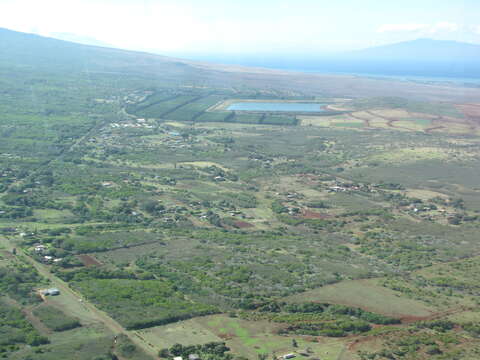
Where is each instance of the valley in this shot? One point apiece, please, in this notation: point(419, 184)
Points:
point(173, 224)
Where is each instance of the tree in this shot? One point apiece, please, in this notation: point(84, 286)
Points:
point(262, 356)
point(176, 350)
point(164, 353)
point(294, 343)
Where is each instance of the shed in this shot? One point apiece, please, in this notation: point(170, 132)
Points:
point(51, 292)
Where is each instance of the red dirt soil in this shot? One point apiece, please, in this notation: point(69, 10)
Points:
point(88, 260)
point(242, 224)
point(437, 315)
point(471, 112)
point(308, 214)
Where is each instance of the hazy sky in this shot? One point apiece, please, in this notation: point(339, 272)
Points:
point(246, 26)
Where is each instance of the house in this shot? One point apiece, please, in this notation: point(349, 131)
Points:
point(336, 188)
point(47, 258)
point(177, 358)
point(288, 356)
point(193, 357)
point(40, 248)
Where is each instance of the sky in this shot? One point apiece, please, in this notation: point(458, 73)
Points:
point(177, 27)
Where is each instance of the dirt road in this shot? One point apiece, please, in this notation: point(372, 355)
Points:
point(77, 299)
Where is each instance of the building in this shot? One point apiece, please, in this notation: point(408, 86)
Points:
point(51, 292)
point(288, 356)
point(193, 357)
point(40, 248)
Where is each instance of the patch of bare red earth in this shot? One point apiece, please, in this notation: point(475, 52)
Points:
point(242, 224)
point(226, 336)
point(308, 214)
point(471, 113)
point(89, 260)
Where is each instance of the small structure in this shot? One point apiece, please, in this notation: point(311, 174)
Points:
point(288, 356)
point(51, 292)
point(193, 357)
point(40, 248)
point(177, 358)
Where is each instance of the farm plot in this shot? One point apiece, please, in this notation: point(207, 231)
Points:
point(194, 109)
point(163, 108)
point(150, 101)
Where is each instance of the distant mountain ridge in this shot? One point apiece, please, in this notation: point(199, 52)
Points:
point(38, 59)
point(421, 50)
point(422, 57)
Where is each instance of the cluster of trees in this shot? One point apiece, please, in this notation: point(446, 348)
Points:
point(18, 282)
point(417, 343)
point(208, 351)
point(16, 212)
point(139, 304)
point(338, 328)
point(16, 330)
point(322, 319)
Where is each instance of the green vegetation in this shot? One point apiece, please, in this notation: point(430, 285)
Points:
point(212, 350)
point(16, 330)
point(321, 319)
point(18, 281)
point(55, 319)
point(138, 304)
point(119, 176)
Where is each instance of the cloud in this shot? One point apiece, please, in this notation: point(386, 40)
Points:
point(441, 26)
point(475, 29)
point(402, 27)
point(444, 26)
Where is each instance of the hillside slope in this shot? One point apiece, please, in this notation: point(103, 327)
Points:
point(27, 57)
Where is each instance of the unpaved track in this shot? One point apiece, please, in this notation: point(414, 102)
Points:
point(65, 290)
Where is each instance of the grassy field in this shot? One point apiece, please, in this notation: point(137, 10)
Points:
point(366, 294)
point(55, 319)
point(81, 344)
point(247, 338)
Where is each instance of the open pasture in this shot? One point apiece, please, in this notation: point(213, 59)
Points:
point(244, 337)
point(368, 295)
